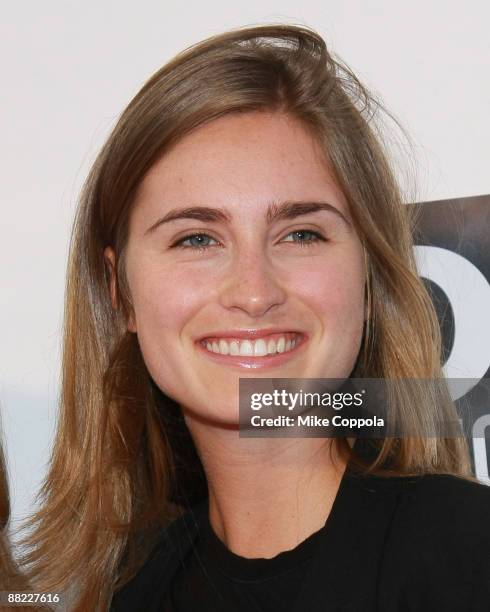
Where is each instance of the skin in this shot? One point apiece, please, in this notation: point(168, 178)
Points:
point(251, 274)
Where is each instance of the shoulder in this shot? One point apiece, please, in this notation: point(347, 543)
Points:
point(430, 488)
point(443, 505)
point(171, 545)
point(440, 535)
point(437, 551)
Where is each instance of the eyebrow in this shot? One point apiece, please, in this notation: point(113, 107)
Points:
point(275, 212)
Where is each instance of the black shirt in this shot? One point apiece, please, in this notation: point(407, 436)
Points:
point(223, 581)
point(401, 544)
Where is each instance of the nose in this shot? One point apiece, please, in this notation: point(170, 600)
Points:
point(252, 286)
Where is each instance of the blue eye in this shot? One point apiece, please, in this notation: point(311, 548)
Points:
point(200, 241)
point(194, 241)
point(305, 237)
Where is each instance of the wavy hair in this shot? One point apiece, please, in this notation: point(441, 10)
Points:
point(123, 465)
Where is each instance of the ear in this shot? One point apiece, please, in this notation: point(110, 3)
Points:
point(110, 262)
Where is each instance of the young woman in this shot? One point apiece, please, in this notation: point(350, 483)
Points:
point(242, 220)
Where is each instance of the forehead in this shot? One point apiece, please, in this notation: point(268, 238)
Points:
point(241, 161)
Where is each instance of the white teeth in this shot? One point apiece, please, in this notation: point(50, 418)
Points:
point(281, 345)
point(260, 348)
point(248, 348)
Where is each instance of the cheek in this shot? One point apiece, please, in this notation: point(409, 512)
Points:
point(162, 310)
point(336, 296)
point(334, 290)
point(164, 303)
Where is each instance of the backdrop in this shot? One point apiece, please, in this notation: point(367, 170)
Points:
point(69, 68)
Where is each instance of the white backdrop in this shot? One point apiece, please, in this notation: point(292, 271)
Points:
point(70, 67)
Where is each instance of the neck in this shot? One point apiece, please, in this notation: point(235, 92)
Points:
point(266, 495)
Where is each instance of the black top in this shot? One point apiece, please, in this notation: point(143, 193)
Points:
point(389, 544)
point(223, 581)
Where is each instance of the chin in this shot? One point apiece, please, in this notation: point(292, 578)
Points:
point(221, 418)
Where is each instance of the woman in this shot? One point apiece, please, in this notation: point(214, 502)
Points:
point(242, 220)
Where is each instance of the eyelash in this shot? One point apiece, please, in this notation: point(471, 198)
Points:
point(302, 243)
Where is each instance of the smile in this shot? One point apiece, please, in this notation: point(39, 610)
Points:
point(269, 350)
point(275, 343)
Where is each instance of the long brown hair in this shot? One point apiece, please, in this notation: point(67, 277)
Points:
point(121, 460)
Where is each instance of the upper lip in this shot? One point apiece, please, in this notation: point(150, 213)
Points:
point(250, 333)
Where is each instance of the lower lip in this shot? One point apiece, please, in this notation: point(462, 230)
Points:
point(254, 363)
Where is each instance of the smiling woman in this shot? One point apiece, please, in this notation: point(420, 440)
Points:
point(300, 292)
point(242, 221)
